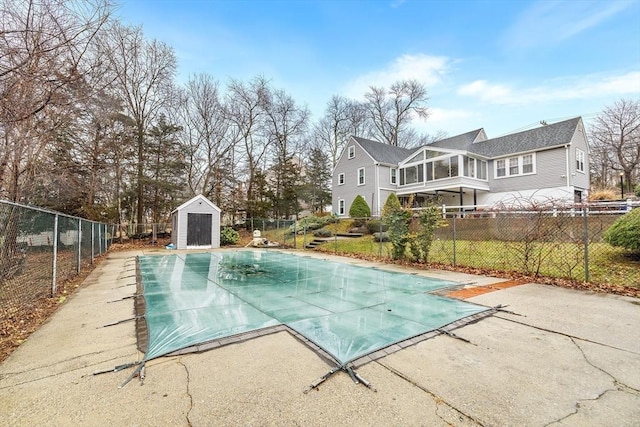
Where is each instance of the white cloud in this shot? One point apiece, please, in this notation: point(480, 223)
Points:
point(549, 22)
point(562, 89)
point(424, 68)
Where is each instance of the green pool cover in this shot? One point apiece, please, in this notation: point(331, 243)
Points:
point(348, 311)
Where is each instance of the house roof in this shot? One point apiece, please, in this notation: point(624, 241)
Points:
point(383, 153)
point(546, 136)
point(459, 142)
point(534, 139)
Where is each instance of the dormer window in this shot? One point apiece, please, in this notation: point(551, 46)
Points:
point(351, 151)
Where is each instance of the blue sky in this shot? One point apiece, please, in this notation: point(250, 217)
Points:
point(501, 65)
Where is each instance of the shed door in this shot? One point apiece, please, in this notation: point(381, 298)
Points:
point(199, 229)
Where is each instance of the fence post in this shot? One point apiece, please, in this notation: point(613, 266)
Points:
point(295, 235)
point(92, 241)
point(585, 237)
point(99, 239)
point(454, 241)
point(380, 240)
point(79, 245)
point(55, 255)
point(304, 237)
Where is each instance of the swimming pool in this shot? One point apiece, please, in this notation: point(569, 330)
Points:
point(348, 311)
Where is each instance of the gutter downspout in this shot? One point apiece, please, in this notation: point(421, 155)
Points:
point(377, 189)
point(567, 152)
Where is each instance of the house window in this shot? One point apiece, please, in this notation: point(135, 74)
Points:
point(579, 160)
point(501, 168)
point(352, 151)
point(341, 207)
point(527, 163)
point(482, 169)
point(394, 176)
point(513, 166)
point(361, 176)
point(341, 179)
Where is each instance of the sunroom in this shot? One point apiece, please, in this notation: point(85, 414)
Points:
point(443, 174)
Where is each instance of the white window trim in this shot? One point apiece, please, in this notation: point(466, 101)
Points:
point(341, 207)
point(391, 176)
point(580, 155)
point(351, 151)
point(520, 166)
point(341, 178)
point(363, 176)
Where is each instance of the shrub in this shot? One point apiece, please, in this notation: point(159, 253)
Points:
point(599, 195)
point(359, 208)
point(397, 219)
point(625, 232)
point(428, 221)
point(375, 226)
point(311, 223)
point(636, 190)
point(323, 232)
point(229, 236)
point(381, 237)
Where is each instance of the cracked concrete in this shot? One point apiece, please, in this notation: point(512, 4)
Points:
point(563, 357)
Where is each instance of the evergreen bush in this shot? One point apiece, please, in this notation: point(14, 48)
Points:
point(625, 232)
point(229, 236)
point(359, 208)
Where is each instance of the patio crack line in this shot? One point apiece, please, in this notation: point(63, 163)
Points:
point(540, 328)
point(578, 405)
point(619, 384)
point(437, 399)
point(188, 391)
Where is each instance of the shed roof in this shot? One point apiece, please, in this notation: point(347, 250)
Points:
point(196, 198)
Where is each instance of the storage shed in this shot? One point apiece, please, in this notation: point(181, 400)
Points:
point(196, 224)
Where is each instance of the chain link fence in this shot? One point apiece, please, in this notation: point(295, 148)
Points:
point(39, 251)
point(563, 244)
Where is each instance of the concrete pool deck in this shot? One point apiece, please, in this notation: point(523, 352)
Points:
point(559, 357)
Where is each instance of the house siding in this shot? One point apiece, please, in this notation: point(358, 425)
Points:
point(550, 166)
point(350, 189)
point(580, 180)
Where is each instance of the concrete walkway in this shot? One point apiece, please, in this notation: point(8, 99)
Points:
point(563, 357)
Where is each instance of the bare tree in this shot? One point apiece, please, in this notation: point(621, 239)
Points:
point(208, 138)
point(616, 136)
point(143, 72)
point(286, 126)
point(392, 110)
point(342, 119)
point(45, 46)
point(246, 104)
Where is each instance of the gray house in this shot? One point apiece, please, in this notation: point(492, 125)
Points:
point(545, 165)
point(196, 224)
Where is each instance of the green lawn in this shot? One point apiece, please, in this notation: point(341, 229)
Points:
point(607, 264)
